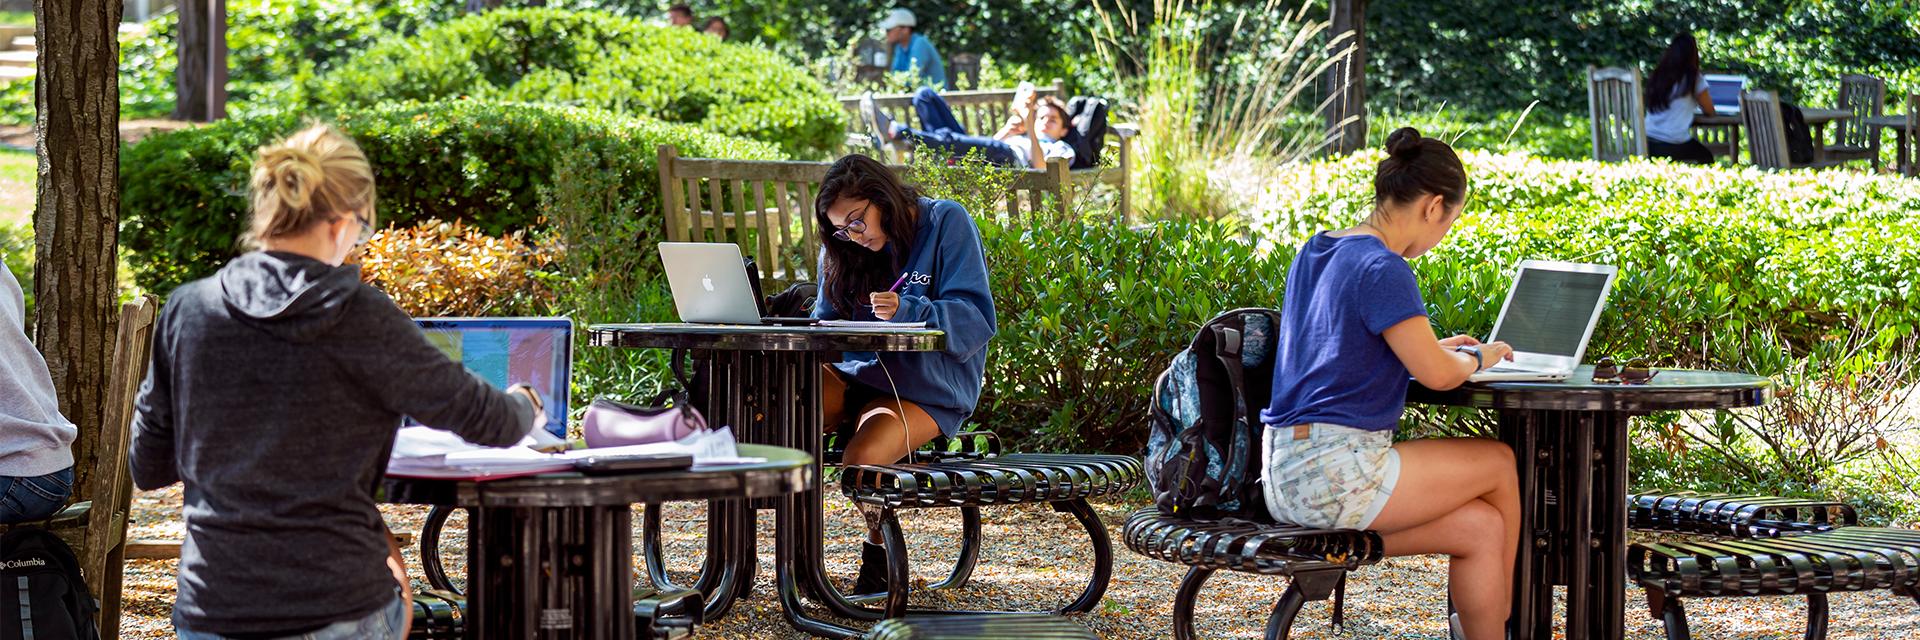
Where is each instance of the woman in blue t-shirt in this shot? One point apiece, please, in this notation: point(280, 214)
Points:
point(887, 254)
point(1353, 330)
point(1673, 90)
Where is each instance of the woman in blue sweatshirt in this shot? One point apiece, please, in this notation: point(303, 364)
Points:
point(877, 231)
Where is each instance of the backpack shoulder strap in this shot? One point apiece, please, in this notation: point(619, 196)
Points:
point(1226, 348)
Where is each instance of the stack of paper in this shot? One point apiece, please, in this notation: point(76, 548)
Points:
point(872, 324)
point(422, 452)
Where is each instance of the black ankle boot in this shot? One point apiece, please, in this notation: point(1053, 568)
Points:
point(873, 570)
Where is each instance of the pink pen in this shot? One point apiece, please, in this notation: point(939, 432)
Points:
point(897, 283)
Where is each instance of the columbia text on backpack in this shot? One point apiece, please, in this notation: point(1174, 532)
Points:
point(41, 594)
point(1202, 455)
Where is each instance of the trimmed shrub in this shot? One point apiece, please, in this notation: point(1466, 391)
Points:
point(1091, 312)
point(446, 269)
point(16, 249)
point(596, 59)
point(1701, 250)
point(183, 194)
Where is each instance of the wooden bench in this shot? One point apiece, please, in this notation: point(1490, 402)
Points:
point(98, 517)
point(1316, 560)
point(983, 111)
point(1763, 546)
point(767, 206)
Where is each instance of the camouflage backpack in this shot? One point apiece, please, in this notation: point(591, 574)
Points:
point(1203, 454)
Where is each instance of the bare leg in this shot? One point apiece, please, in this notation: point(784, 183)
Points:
point(883, 437)
point(1460, 497)
point(833, 398)
point(398, 566)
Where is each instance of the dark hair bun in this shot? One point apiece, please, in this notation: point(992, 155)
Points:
point(1404, 143)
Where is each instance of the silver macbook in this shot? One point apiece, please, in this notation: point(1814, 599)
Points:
point(711, 285)
point(1724, 90)
point(1548, 317)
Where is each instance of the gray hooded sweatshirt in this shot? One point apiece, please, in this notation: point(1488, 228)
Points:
point(275, 390)
point(34, 437)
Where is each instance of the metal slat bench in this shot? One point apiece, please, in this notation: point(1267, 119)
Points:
point(1064, 482)
point(1006, 627)
point(1764, 546)
point(1317, 560)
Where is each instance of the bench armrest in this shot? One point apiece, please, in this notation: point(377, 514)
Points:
point(1123, 131)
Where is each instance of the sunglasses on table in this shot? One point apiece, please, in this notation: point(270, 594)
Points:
point(1636, 371)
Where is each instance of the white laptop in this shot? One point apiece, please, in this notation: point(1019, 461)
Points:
point(1548, 317)
point(711, 285)
point(1724, 89)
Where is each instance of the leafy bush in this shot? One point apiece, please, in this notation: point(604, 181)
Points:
point(441, 269)
point(600, 60)
point(183, 194)
point(16, 249)
point(1091, 312)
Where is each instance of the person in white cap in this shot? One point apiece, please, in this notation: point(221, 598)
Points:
point(912, 51)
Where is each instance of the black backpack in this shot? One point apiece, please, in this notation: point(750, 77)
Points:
point(1088, 131)
point(1799, 137)
point(1203, 454)
point(41, 586)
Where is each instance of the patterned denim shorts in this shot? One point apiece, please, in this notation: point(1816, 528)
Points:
point(1328, 476)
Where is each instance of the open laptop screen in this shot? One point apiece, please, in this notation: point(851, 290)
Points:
point(537, 352)
point(1725, 90)
point(1550, 310)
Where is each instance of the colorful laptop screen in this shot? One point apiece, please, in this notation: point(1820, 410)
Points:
point(536, 352)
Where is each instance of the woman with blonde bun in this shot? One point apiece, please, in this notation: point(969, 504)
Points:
point(273, 395)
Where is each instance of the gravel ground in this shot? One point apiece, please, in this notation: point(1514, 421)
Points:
point(1033, 560)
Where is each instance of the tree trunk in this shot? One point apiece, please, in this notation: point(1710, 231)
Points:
point(76, 219)
point(200, 81)
point(1347, 78)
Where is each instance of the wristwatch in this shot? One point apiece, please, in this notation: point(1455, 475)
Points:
point(1478, 362)
point(539, 407)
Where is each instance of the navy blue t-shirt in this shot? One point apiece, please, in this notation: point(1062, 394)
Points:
point(1332, 364)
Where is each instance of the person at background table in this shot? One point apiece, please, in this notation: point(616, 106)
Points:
point(1353, 330)
point(36, 461)
point(274, 392)
point(912, 51)
point(715, 26)
point(1036, 130)
point(680, 15)
point(1674, 89)
point(876, 231)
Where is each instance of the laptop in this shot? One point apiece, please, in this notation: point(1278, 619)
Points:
point(713, 283)
point(537, 352)
point(1724, 90)
point(1548, 317)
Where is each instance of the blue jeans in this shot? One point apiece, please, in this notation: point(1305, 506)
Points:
point(386, 623)
point(29, 499)
point(940, 130)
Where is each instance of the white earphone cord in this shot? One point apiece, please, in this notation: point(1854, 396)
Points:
point(906, 440)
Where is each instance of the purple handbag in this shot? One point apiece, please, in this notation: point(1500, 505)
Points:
point(611, 423)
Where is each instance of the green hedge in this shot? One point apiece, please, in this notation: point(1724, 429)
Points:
point(597, 59)
point(183, 198)
point(1703, 251)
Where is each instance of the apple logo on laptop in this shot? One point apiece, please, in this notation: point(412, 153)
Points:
point(707, 281)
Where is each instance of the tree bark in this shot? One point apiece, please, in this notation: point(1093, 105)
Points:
point(200, 81)
point(76, 219)
point(1346, 80)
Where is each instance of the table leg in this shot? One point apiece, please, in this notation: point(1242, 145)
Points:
point(1533, 438)
point(1580, 547)
point(1610, 520)
point(550, 573)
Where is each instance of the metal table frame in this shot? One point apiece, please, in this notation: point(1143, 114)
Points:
point(766, 385)
point(1570, 444)
point(551, 556)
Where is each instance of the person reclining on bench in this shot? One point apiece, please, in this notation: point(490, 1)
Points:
point(1014, 145)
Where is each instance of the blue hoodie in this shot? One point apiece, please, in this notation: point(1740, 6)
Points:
point(947, 289)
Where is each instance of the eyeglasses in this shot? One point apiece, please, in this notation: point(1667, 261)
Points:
point(855, 224)
point(1636, 371)
point(366, 231)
